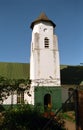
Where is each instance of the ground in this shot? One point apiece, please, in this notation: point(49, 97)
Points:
point(69, 125)
point(70, 120)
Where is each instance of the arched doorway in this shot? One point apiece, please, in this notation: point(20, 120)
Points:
point(47, 102)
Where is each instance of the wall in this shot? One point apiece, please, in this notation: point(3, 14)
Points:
point(55, 93)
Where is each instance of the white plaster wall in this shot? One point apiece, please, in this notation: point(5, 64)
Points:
point(9, 100)
point(29, 99)
point(39, 28)
point(44, 63)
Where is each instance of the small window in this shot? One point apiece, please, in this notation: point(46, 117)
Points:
point(20, 97)
point(46, 42)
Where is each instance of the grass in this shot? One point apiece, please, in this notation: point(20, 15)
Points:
point(70, 116)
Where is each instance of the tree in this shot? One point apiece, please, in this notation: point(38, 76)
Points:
point(4, 93)
point(9, 86)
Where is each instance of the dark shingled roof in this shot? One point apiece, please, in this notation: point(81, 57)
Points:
point(42, 17)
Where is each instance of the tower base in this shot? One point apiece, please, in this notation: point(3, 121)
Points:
point(49, 98)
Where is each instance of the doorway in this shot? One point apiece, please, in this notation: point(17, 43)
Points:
point(47, 102)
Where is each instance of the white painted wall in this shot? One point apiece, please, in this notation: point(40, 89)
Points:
point(12, 99)
point(27, 99)
point(44, 62)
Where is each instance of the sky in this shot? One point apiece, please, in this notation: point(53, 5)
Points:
point(16, 17)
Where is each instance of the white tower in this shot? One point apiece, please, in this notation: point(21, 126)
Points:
point(44, 60)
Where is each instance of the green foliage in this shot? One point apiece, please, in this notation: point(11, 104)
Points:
point(8, 86)
point(27, 117)
point(68, 116)
point(1, 108)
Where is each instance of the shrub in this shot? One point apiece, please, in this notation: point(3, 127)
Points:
point(26, 117)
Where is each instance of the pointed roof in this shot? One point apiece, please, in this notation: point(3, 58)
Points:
point(42, 17)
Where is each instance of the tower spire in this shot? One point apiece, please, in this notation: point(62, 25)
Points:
point(42, 17)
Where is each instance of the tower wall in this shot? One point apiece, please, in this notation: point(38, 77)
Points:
point(44, 63)
point(54, 92)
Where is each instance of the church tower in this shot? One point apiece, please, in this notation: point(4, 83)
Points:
point(44, 63)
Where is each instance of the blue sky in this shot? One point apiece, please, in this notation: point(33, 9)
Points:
point(15, 33)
